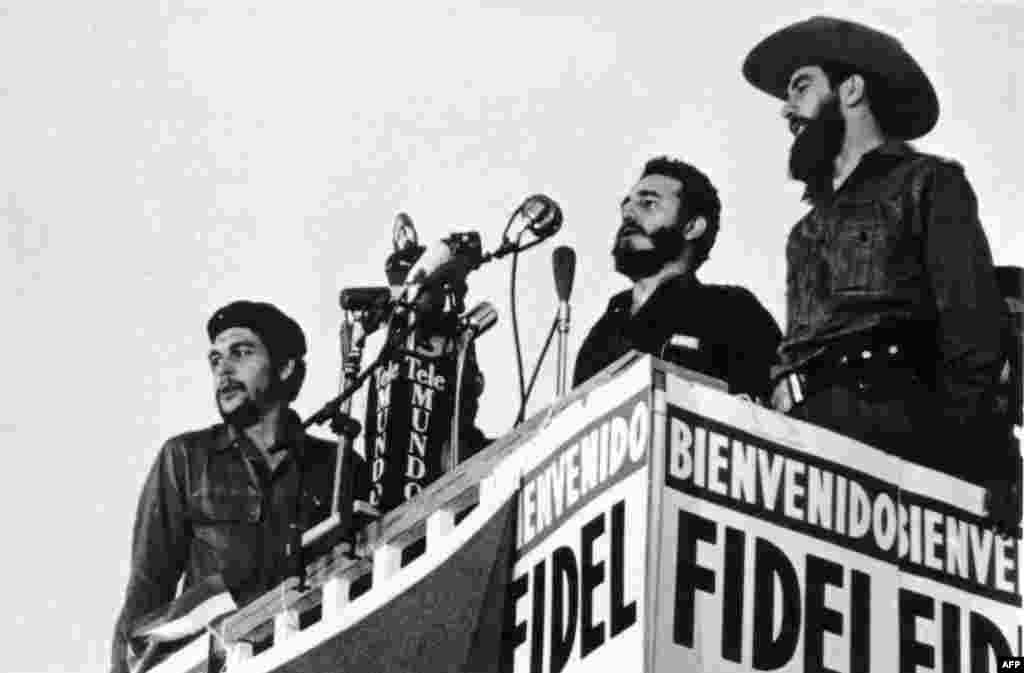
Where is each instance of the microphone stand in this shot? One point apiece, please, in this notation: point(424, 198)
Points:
point(480, 319)
point(336, 411)
point(452, 459)
point(330, 409)
point(352, 339)
point(536, 370)
point(561, 382)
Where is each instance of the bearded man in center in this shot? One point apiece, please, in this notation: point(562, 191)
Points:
point(670, 220)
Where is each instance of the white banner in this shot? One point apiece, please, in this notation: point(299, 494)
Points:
point(774, 559)
point(576, 599)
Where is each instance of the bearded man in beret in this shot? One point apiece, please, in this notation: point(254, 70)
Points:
point(222, 506)
point(895, 319)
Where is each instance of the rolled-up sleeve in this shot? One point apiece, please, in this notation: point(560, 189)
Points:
point(159, 548)
point(967, 298)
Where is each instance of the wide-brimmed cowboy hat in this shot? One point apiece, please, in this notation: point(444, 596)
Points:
point(912, 109)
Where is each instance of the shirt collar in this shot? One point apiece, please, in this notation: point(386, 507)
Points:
point(898, 148)
point(227, 436)
point(223, 438)
point(874, 162)
point(623, 301)
point(884, 154)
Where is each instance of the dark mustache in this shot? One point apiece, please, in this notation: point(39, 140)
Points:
point(794, 121)
point(228, 385)
point(628, 228)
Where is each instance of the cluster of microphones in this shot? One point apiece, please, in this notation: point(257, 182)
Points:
point(449, 261)
point(422, 304)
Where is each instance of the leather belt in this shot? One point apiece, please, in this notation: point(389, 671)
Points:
point(857, 368)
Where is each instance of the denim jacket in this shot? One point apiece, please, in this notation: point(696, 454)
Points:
point(211, 505)
point(900, 246)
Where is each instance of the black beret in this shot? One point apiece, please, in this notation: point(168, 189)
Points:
point(280, 334)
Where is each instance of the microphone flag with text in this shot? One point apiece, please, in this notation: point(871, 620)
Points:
point(428, 363)
point(411, 396)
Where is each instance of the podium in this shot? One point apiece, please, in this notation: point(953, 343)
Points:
point(651, 522)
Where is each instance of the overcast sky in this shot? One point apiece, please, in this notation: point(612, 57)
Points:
point(160, 159)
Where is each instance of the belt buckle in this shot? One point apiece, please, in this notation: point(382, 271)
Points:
point(789, 392)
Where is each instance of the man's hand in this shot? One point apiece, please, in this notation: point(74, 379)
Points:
point(1003, 505)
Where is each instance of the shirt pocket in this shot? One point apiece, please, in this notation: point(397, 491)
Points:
point(862, 248)
point(214, 505)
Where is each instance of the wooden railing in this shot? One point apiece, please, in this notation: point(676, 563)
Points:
point(340, 578)
point(343, 585)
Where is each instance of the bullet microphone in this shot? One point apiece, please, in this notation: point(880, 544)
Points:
point(479, 319)
point(563, 260)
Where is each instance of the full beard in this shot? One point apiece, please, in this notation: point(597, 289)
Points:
point(253, 407)
point(636, 264)
point(814, 151)
point(245, 415)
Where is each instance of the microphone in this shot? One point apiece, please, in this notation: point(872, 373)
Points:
point(448, 261)
point(403, 233)
point(543, 215)
point(364, 298)
point(407, 250)
point(479, 319)
point(372, 304)
point(563, 260)
point(543, 218)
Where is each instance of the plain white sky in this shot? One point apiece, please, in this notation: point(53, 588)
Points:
point(163, 158)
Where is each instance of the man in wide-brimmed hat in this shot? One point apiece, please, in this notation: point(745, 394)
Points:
point(894, 315)
point(221, 505)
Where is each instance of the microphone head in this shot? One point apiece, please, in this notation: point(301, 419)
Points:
point(563, 259)
point(407, 250)
point(434, 258)
point(480, 318)
point(543, 215)
point(403, 234)
point(364, 298)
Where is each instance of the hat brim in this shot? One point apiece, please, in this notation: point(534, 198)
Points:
point(914, 107)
